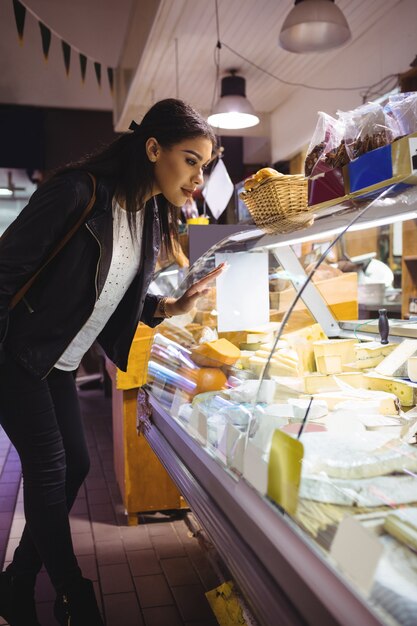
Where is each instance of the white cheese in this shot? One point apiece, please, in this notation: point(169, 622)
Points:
point(395, 364)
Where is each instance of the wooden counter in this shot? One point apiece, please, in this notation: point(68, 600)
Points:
point(143, 481)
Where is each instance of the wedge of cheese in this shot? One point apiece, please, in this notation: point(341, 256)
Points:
point(315, 383)
point(218, 352)
point(331, 354)
point(278, 367)
point(362, 364)
point(405, 391)
point(371, 353)
point(395, 364)
point(257, 364)
point(383, 402)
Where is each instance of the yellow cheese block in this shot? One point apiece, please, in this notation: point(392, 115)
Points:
point(219, 351)
point(263, 353)
point(245, 355)
point(331, 354)
point(302, 342)
point(280, 368)
point(257, 364)
point(405, 391)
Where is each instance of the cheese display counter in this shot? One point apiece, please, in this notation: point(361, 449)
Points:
point(289, 425)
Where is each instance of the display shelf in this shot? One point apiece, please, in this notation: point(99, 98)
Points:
point(214, 421)
point(285, 581)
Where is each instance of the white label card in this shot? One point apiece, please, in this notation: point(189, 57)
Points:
point(243, 291)
point(357, 551)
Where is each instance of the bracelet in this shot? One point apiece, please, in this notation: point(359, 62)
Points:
point(163, 308)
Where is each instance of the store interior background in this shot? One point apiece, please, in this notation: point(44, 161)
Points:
point(48, 118)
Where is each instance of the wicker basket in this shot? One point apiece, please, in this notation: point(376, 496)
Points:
point(279, 204)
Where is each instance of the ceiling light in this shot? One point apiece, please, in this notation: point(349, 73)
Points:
point(4, 191)
point(233, 110)
point(314, 26)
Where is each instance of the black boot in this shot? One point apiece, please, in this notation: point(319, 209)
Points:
point(17, 602)
point(78, 606)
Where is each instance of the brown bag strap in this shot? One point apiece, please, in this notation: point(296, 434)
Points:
point(20, 294)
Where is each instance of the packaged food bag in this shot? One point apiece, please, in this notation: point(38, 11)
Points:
point(366, 128)
point(402, 107)
point(326, 138)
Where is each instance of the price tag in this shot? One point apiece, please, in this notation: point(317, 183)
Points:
point(357, 551)
point(284, 470)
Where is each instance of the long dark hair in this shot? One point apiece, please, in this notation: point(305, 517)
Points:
point(125, 160)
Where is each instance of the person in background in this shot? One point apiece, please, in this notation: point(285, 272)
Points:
point(95, 288)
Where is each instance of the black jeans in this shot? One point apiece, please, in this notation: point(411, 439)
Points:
point(43, 421)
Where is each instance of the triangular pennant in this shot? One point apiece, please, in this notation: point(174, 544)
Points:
point(110, 75)
point(46, 39)
point(66, 50)
point(97, 68)
point(83, 66)
point(20, 14)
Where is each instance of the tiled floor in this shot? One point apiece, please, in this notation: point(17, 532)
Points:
point(154, 574)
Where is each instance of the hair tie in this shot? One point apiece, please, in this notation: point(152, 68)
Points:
point(133, 126)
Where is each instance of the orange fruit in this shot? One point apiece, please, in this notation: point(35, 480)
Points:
point(209, 379)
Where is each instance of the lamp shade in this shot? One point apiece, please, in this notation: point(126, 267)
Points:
point(233, 110)
point(314, 26)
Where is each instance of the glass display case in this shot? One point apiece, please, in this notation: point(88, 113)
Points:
point(289, 423)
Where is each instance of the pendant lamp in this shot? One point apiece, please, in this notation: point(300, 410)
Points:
point(314, 26)
point(233, 110)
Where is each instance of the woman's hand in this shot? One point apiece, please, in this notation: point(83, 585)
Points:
point(187, 301)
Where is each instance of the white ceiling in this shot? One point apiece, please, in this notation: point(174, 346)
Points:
point(140, 36)
point(252, 29)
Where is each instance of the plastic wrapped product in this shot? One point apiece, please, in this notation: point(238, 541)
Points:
point(326, 138)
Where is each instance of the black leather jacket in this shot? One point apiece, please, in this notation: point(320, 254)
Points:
point(38, 330)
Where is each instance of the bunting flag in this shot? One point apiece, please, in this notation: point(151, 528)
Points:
point(46, 39)
point(97, 69)
point(83, 66)
point(19, 14)
point(110, 75)
point(66, 51)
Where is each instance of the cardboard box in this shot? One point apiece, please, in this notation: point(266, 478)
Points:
point(326, 188)
point(368, 175)
point(395, 164)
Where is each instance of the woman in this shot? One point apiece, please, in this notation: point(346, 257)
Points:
point(95, 288)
